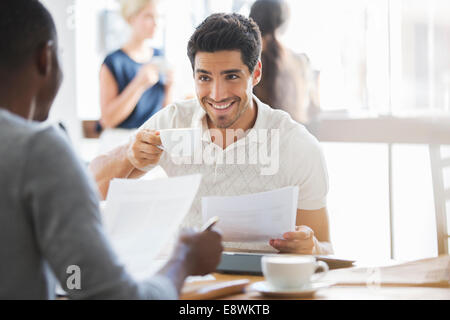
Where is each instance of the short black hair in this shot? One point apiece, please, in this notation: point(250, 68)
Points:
point(25, 25)
point(227, 31)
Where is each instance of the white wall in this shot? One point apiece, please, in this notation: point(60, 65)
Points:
point(89, 55)
point(64, 107)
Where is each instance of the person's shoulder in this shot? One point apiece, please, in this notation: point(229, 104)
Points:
point(49, 138)
point(277, 118)
point(29, 134)
point(10, 119)
point(112, 57)
point(291, 131)
point(115, 53)
point(182, 108)
point(176, 114)
point(186, 106)
point(17, 128)
point(51, 148)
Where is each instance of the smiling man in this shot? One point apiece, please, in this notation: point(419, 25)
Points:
point(225, 54)
point(224, 87)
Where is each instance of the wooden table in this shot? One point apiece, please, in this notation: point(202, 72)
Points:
point(341, 292)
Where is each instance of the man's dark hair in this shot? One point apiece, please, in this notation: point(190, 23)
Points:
point(25, 25)
point(222, 31)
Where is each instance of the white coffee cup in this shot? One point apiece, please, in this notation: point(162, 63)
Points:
point(181, 142)
point(161, 64)
point(290, 272)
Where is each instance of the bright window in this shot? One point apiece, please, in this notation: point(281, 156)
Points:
point(376, 55)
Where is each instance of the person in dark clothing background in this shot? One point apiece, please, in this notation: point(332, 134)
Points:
point(287, 82)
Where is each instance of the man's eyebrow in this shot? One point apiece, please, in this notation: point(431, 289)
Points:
point(202, 71)
point(222, 72)
point(231, 71)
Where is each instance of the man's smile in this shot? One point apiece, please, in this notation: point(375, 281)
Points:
point(221, 107)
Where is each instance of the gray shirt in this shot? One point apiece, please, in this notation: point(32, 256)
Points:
point(50, 221)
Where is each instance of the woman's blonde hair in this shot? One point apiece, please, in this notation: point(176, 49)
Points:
point(129, 8)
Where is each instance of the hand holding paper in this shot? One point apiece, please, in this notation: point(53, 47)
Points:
point(201, 249)
point(254, 217)
point(142, 216)
point(301, 241)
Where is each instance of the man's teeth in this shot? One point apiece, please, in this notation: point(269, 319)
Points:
point(216, 106)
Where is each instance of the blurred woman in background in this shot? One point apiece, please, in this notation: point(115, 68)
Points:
point(134, 84)
point(287, 81)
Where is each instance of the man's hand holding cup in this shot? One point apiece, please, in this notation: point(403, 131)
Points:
point(145, 149)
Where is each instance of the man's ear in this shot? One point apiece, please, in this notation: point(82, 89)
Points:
point(257, 73)
point(44, 58)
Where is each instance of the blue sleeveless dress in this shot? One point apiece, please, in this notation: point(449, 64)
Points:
point(124, 69)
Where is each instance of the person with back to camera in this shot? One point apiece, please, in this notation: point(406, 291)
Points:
point(134, 82)
point(49, 210)
point(287, 82)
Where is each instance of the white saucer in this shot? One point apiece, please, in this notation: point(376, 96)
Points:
point(308, 290)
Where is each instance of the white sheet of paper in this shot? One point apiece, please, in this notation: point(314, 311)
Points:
point(142, 217)
point(254, 217)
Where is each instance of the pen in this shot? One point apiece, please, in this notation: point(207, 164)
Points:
point(209, 224)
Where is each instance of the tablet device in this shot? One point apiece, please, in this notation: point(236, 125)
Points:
point(250, 263)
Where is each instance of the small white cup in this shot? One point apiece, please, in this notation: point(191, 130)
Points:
point(290, 272)
point(181, 142)
point(161, 64)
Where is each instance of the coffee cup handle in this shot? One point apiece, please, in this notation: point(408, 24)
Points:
point(322, 267)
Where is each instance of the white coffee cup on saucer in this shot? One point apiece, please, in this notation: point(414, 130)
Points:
point(181, 142)
point(291, 272)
